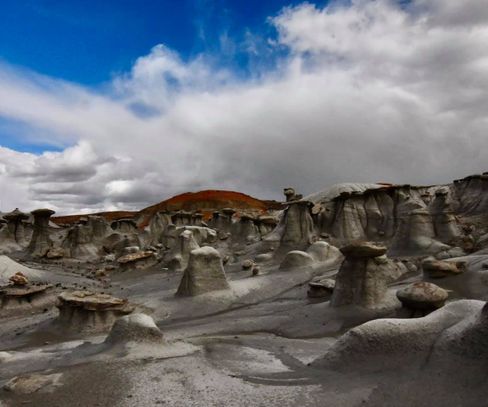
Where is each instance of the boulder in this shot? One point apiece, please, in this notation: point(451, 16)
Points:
point(18, 279)
point(422, 296)
point(440, 269)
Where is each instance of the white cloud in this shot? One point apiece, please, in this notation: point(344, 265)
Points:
point(369, 91)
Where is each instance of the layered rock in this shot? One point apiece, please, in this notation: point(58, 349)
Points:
point(141, 259)
point(82, 311)
point(204, 273)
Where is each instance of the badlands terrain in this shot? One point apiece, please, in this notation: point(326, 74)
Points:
point(358, 295)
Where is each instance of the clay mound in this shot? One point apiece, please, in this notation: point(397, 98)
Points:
point(206, 201)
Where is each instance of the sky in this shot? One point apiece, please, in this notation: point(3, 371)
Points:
point(119, 104)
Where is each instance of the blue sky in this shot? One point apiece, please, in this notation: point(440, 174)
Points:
point(88, 41)
point(123, 103)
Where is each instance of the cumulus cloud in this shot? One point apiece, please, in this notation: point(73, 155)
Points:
point(366, 91)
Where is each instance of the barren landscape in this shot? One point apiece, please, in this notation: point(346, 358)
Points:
point(356, 295)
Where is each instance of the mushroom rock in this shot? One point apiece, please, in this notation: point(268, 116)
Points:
point(15, 225)
point(290, 194)
point(204, 273)
point(86, 311)
point(134, 328)
point(179, 254)
point(139, 260)
point(124, 226)
point(298, 229)
point(22, 295)
point(321, 288)
point(422, 296)
point(296, 258)
point(440, 269)
point(363, 276)
point(40, 242)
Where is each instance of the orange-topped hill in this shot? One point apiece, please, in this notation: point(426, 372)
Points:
point(204, 201)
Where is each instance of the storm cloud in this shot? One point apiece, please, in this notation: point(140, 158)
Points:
point(366, 91)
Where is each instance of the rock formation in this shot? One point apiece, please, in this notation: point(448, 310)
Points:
point(363, 276)
point(40, 242)
point(81, 311)
point(422, 296)
point(178, 256)
point(134, 328)
point(298, 229)
point(204, 273)
point(15, 225)
point(139, 260)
